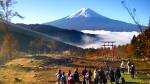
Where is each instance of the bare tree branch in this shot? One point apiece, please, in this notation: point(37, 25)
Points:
point(132, 14)
point(8, 13)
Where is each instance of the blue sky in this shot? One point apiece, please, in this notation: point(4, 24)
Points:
point(41, 11)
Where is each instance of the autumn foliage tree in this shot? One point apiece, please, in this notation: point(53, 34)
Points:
point(141, 44)
point(9, 46)
point(9, 43)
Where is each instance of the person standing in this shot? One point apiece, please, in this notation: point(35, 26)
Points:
point(122, 66)
point(88, 77)
point(132, 70)
point(117, 75)
point(58, 76)
point(106, 66)
point(63, 78)
point(128, 66)
point(69, 73)
point(101, 75)
point(111, 75)
point(70, 80)
point(95, 74)
point(84, 71)
point(76, 76)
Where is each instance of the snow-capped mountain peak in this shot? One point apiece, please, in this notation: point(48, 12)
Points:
point(84, 13)
point(87, 19)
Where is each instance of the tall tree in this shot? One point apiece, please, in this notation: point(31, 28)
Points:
point(9, 43)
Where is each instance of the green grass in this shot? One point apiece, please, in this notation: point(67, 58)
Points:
point(137, 80)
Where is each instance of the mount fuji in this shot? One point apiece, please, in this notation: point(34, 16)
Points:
point(87, 19)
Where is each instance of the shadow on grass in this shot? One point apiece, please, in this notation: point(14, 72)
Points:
point(81, 66)
point(48, 60)
point(131, 83)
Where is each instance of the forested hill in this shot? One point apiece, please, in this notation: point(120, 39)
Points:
point(65, 35)
point(29, 40)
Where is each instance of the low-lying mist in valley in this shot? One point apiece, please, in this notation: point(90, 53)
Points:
point(120, 38)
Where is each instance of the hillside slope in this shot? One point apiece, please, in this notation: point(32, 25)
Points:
point(26, 37)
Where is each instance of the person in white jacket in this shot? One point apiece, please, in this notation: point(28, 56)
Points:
point(122, 66)
point(128, 66)
point(96, 76)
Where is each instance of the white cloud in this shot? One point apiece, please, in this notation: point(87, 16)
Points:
point(120, 38)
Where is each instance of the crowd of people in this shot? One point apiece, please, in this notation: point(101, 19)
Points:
point(100, 75)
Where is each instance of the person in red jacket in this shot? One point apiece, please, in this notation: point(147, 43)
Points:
point(70, 80)
point(69, 73)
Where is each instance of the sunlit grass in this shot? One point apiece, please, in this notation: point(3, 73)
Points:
point(13, 76)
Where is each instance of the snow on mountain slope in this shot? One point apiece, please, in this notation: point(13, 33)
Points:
point(84, 13)
point(87, 19)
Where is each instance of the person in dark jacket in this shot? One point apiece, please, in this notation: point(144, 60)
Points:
point(76, 76)
point(63, 78)
point(132, 70)
point(111, 75)
point(117, 75)
point(88, 77)
point(84, 71)
point(101, 75)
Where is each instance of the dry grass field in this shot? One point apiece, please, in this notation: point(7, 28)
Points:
point(42, 69)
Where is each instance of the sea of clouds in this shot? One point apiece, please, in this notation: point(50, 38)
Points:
point(120, 38)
